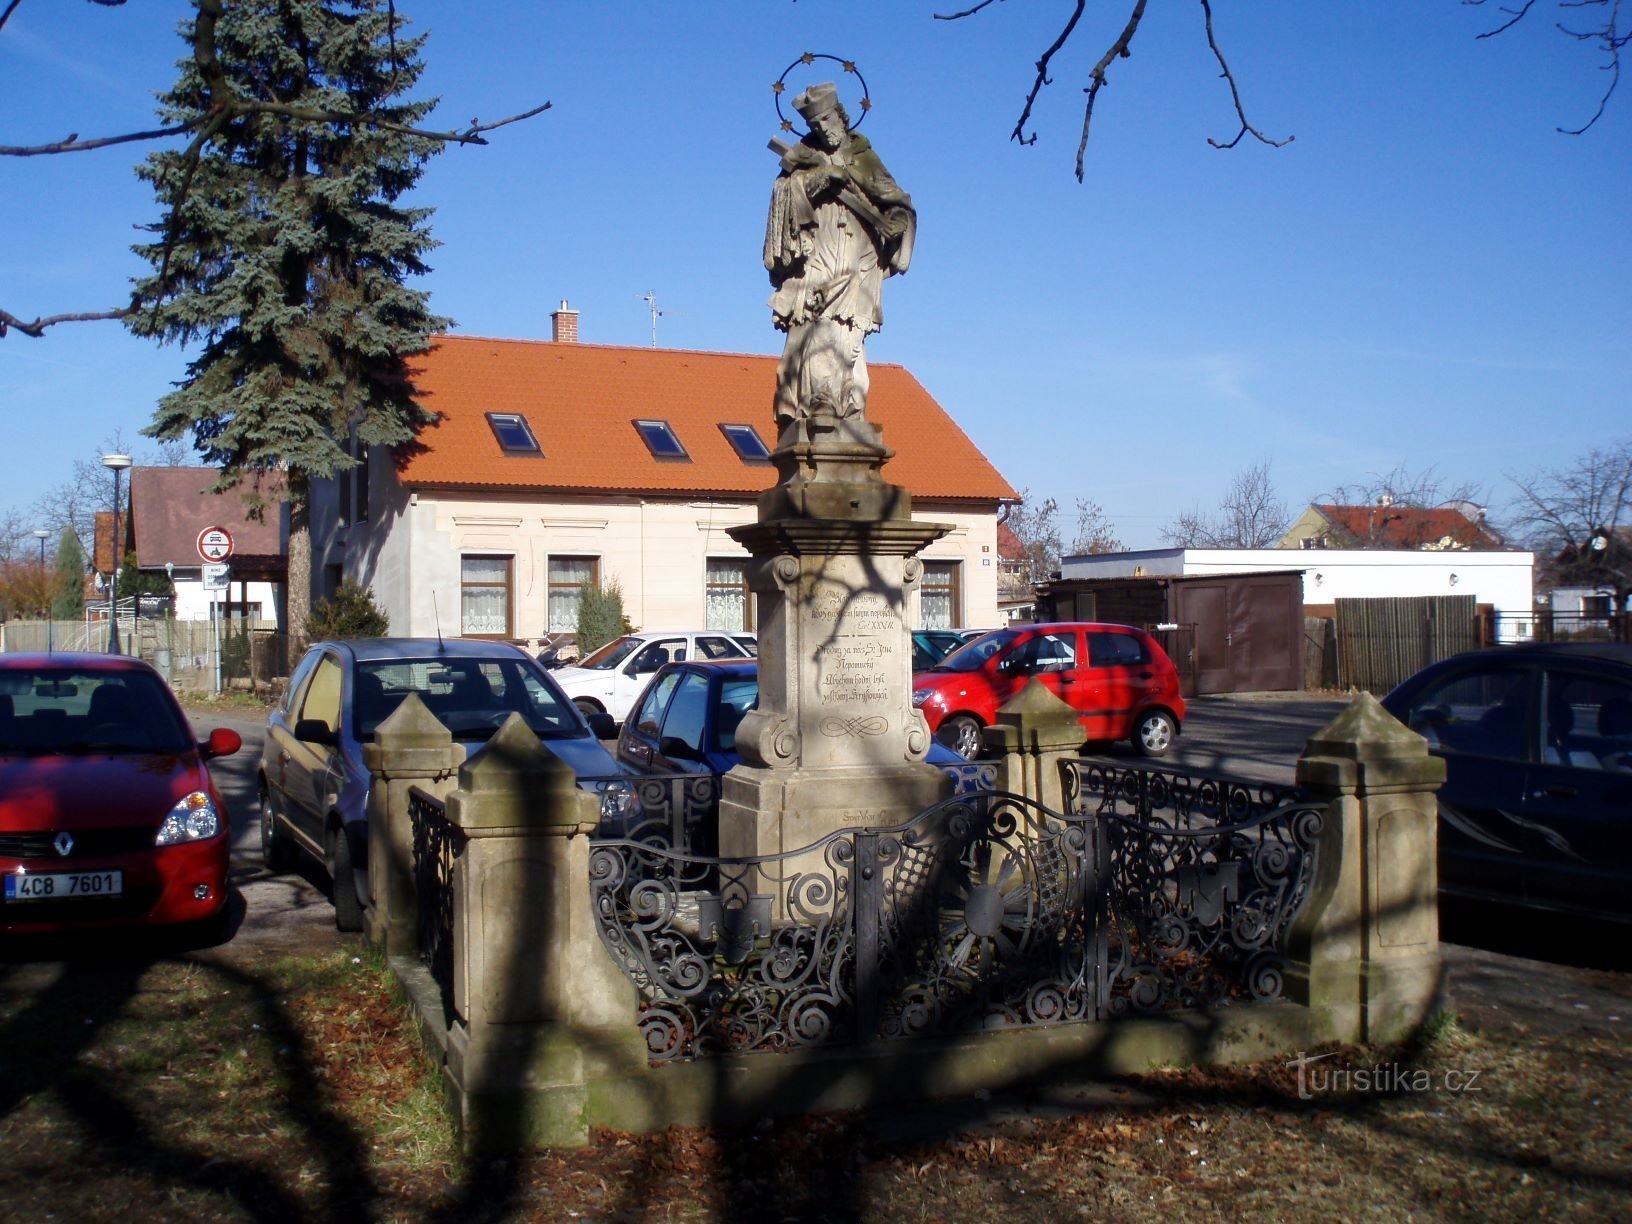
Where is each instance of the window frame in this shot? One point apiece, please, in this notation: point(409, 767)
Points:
point(508, 586)
point(513, 420)
point(663, 429)
point(710, 586)
point(734, 432)
point(954, 587)
point(551, 585)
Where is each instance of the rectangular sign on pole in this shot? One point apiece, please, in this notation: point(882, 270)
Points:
point(217, 577)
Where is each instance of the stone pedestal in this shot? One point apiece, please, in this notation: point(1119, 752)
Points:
point(1364, 953)
point(835, 741)
point(411, 748)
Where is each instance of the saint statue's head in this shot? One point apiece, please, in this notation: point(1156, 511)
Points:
point(821, 109)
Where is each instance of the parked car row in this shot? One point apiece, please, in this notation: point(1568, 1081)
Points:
point(109, 816)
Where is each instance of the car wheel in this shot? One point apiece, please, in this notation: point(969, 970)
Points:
point(961, 733)
point(1154, 733)
point(586, 707)
point(277, 855)
point(348, 909)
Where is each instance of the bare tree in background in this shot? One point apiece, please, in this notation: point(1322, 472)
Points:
point(1403, 487)
point(1251, 515)
point(1578, 519)
point(225, 106)
point(1095, 532)
point(1604, 32)
point(1035, 525)
point(1387, 494)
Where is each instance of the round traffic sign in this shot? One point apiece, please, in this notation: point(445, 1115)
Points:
point(215, 544)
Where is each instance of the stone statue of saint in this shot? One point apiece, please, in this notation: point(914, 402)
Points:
point(838, 225)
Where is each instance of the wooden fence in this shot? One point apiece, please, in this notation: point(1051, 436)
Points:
point(1381, 642)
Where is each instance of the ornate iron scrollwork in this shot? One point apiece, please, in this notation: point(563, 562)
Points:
point(986, 911)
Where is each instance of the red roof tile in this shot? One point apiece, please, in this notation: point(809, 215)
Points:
point(580, 400)
point(171, 505)
point(1409, 526)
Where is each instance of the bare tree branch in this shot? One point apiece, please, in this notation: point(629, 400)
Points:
point(36, 328)
point(1235, 95)
point(1120, 49)
point(1609, 35)
point(222, 107)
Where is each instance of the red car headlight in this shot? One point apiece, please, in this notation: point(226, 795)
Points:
point(192, 819)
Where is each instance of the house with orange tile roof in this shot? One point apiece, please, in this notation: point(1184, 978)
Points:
point(1386, 525)
point(555, 463)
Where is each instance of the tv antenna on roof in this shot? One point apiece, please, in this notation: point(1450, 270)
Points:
point(651, 304)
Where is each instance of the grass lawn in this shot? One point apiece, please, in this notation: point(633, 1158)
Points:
point(180, 1088)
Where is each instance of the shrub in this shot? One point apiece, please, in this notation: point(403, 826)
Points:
point(600, 615)
point(352, 613)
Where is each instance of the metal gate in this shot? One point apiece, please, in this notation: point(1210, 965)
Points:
point(1155, 891)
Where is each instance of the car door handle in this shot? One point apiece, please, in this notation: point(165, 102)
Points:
point(1554, 792)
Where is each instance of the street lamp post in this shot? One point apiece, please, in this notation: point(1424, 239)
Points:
point(115, 464)
point(42, 536)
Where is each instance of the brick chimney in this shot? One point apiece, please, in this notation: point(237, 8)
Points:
point(564, 324)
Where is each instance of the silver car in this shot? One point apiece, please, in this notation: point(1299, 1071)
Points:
point(313, 783)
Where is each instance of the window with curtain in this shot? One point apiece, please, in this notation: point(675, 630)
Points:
point(484, 596)
point(941, 603)
point(726, 602)
point(567, 578)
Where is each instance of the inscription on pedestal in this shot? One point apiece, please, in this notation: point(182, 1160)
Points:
point(858, 634)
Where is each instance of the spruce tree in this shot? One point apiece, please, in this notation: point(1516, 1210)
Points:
point(283, 251)
point(68, 577)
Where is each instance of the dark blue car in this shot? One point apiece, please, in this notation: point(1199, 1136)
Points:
point(686, 719)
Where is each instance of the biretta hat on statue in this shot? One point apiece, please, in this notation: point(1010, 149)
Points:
point(817, 101)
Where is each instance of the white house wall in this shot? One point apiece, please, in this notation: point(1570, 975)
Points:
point(409, 553)
point(1501, 579)
point(193, 602)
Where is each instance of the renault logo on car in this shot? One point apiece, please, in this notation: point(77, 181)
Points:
point(64, 844)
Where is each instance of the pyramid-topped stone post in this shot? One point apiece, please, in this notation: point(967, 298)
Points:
point(1365, 950)
point(410, 749)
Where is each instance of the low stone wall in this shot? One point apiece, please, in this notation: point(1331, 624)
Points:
point(537, 1029)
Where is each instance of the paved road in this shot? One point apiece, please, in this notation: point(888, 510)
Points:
point(275, 914)
point(1244, 735)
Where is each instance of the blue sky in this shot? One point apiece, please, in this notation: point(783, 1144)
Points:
point(1429, 275)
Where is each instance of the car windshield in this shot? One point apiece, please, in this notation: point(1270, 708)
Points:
point(471, 697)
point(61, 709)
point(610, 655)
point(969, 658)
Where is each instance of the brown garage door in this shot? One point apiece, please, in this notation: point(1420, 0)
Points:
point(1248, 632)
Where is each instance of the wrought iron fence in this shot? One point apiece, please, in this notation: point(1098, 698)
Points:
point(437, 844)
point(986, 911)
point(1207, 875)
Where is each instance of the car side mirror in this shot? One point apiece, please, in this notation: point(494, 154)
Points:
point(316, 731)
point(223, 741)
point(603, 725)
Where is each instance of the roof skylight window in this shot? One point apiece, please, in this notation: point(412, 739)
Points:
point(661, 440)
point(746, 441)
point(513, 433)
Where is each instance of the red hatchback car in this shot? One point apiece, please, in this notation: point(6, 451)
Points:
point(1118, 677)
point(108, 816)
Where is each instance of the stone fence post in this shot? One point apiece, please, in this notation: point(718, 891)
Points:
point(411, 748)
point(546, 1020)
point(1034, 732)
point(1364, 953)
